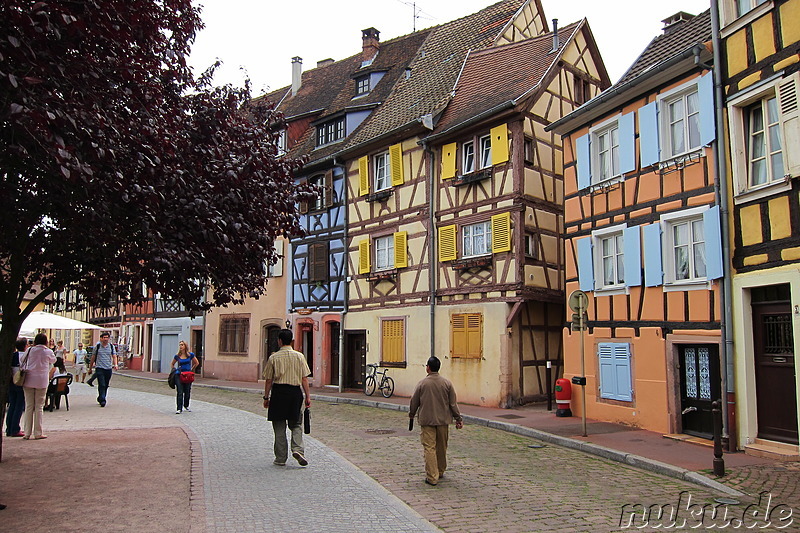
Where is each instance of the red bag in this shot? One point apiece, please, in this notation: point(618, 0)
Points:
point(187, 377)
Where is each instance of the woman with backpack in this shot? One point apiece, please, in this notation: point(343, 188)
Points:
point(184, 363)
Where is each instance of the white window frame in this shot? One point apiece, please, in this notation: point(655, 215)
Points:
point(733, 22)
point(384, 252)
point(669, 152)
point(363, 85)
point(614, 235)
point(485, 151)
point(601, 130)
point(469, 235)
point(739, 136)
point(383, 171)
point(668, 222)
point(468, 157)
point(282, 143)
point(318, 180)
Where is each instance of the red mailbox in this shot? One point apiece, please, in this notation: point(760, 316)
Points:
point(563, 397)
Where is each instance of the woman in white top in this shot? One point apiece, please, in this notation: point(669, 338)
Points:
point(36, 364)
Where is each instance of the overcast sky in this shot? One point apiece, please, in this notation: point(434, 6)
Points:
point(262, 36)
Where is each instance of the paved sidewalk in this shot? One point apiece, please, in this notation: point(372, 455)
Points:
point(234, 483)
point(644, 449)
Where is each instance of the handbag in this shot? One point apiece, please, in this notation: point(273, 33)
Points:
point(19, 375)
point(171, 378)
point(307, 421)
point(187, 377)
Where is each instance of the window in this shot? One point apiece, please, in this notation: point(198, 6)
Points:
point(476, 239)
point(276, 269)
point(607, 152)
point(386, 171)
point(531, 245)
point(614, 359)
point(528, 145)
point(382, 180)
point(362, 85)
point(468, 157)
point(233, 333)
point(323, 186)
point(492, 149)
point(765, 149)
point(466, 335)
point(384, 252)
point(318, 262)
point(744, 6)
point(281, 143)
point(611, 260)
point(682, 123)
point(686, 250)
point(393, 341)
point(330, 132)
point(318, 182)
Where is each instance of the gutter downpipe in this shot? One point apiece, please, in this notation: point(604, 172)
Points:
point(346, 276)
point(433, 267)
point(721, 192)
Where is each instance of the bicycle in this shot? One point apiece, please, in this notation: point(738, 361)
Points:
point(371, 383)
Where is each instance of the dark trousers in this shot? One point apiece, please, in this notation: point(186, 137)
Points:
point(16, 406)
point(184, 391)
point(103, 376)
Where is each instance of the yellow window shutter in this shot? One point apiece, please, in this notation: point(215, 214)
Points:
point(393, 338)
point(474, 335)
point(363, 257)
point(396, 162)
point(449, 161)
point(458, 336)
point(363, 175)
point(400, 249)
point(447, 243)
point(501, 233)
point(499, 144)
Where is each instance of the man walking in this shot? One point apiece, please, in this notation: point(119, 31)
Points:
point(435, 400)
point(80, 363)
point(104, 360)
point(286, 374)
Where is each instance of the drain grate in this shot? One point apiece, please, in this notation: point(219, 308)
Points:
point(381, 431)
point(509, 417)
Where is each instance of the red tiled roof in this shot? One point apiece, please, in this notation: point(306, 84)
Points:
point(497, 75)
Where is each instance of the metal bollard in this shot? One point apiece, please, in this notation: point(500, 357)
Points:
point(719, 462)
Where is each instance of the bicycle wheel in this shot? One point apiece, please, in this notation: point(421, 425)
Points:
point(369, 385)
point(387, 387)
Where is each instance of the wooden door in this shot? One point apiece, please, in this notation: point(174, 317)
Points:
point(700, 385)
point(334, 351)
point(355, 350)
point(776, 395)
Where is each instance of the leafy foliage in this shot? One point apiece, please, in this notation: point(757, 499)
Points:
point(118, 167)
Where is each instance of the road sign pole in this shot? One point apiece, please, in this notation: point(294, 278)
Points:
point(583, 374)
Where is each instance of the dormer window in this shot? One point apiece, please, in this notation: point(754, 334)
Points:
point(329, 132)
point(362, 85)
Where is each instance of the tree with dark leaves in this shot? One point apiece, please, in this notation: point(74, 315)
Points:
point(117, 167)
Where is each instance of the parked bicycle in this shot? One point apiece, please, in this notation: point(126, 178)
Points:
point(386, 384)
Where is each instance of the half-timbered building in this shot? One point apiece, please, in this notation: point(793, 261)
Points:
point(642, 237)
point(498, 204)
point(761, 47)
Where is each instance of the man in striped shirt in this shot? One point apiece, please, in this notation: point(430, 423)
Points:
point(286, 372)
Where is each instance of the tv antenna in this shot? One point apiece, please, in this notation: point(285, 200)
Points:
point(417, 13)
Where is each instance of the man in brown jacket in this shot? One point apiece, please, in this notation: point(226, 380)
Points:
point(435, 400)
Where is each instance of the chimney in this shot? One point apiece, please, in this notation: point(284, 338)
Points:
point(297, 74)
point(675, 21)
point(371, 44)
point(556, 43)
point(324, 62)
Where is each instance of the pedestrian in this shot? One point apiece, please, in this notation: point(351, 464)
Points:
point(104, 361)
point(286, 374)
point(60, 351)
point(186, 362)
point(80, 363)
point(435, 400)
point(36, 363)
point(16, 394)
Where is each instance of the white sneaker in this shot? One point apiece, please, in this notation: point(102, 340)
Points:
point(177, 412)
point(187, 409)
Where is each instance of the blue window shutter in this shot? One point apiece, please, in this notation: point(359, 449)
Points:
point(585, 270)
point(622, 371)
point(713, 243)
point(705, 93)
point(605, 355)
point(584, 158)
point(632, 256)
point(649, 153)
point(653, 273)
point(627, 144)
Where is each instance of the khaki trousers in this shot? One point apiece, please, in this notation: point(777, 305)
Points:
point(281, 447)
point(32, 418)
point(434, 445)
